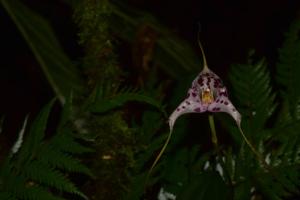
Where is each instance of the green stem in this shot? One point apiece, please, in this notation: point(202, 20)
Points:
point(158, 156)
point(258, 155)
point(214, 138)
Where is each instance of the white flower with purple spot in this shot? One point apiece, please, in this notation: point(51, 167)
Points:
point(207, 93)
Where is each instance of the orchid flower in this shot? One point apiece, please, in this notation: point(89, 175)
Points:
point(207, 93)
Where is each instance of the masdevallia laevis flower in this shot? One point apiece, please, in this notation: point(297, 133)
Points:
point(207, 93)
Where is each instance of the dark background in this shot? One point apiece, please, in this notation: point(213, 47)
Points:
point(229, 29)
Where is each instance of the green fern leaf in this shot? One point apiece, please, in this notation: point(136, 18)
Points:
point(107, 104)
point(45, 175)
point(36, 169)
point(39, 126)
point(251, 86)
point(286, 188)
point(287, 138)
point(288, 71)
point(66, 142)
point(61, 160)
point(34, 140)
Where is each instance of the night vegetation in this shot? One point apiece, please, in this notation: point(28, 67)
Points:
point(106, 122)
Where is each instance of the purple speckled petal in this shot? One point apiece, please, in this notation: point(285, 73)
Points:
point(223, 104)
point(207, 79)
point(191, 104)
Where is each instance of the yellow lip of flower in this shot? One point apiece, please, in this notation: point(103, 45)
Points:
point(207, 96)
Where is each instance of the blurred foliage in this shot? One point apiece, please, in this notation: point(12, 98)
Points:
point(39, 168)
point(43, 43)
point(119, 109)
point(250, 81)
point(141, 29)
point(288, 70)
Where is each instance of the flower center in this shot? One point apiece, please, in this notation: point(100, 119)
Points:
point(207, 96)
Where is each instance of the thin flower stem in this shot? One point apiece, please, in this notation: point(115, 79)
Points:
point(158, 156)
point(218, 151)
point(214, 138)
point(258, 155)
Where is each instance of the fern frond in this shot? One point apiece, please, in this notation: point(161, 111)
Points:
point(44, 175)
point(287, 138)
point(43, 165)
point(37, 131)
point(62, 160)
point(251, 86)
point(35, 192)
point(20, 188)
point(287, 187)
point(66, 142)
point(121, 99)
point(123, 96)
point(288, 71)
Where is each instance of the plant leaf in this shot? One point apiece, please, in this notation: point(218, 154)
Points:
point(36, 134)
point(288, 70)
point(252, 87)
point(59, 70)
point(107, 104)
point(43, 174)
point(174, 55)
point(208, 185)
